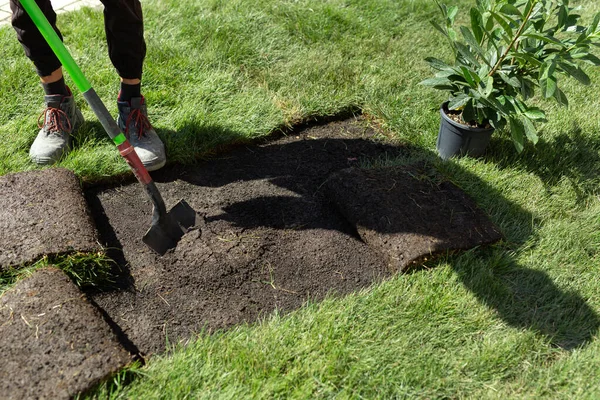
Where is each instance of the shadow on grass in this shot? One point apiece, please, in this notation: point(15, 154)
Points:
point(522, 297)
point(528, 299)
point(184, 146)
point(570, 155)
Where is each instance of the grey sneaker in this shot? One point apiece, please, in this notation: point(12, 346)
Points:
point(133, 121)
point(60, 118)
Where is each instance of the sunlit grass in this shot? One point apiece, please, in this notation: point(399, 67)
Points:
point(517, 320)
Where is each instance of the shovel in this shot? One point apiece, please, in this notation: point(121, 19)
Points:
point(167, 227)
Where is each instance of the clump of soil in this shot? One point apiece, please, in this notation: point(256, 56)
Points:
point(54, 344)
point(457, 116)
point(43, 213)
point(409, 213)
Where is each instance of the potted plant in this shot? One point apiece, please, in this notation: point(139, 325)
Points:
point(510, 51)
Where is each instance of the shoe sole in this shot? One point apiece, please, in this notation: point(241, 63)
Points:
point(154, 167)
point(48, 160)
point(42, 161)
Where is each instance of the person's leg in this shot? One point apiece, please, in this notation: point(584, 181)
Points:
point(123, 22)
point(54, 84)
point(39, 52)
point(61, 116)
point(34, 44)
point(124, 26)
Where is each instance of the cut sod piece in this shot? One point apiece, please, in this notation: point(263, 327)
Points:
point(43, 213)
point(409, 213)
point(54, 343)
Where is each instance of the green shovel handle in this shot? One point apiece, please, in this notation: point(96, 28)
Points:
point(39, 19)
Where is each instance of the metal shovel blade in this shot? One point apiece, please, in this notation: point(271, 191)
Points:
point(168, 229)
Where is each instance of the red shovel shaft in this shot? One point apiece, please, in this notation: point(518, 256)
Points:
point(132, 158)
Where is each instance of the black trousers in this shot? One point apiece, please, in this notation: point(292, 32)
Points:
point(124, 28)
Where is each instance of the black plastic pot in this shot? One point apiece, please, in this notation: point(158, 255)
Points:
point(456, 139)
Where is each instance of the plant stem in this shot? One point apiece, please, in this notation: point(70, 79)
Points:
point(512, 43)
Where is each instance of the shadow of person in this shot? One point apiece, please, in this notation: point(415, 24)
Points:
point(278, 185)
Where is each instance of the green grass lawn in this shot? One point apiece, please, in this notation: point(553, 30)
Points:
point(516, 320)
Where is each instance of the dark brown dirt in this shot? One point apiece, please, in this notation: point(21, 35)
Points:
point(54, 344)
point(43, 213)
point(457, 116)
point(269, 237)
point(409, 213)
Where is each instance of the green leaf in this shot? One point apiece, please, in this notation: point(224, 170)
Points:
point(502, 22)
point(438, 64)
point(591, 59)
point(442, 8)
point(547, 79)
point(561, 98)
point(527, 58)
point(483, 4)
point(582, 37)
point(488, 21)
point(572, 19)
point(517, 133)
point(452, 11)
point(477, 24)
point(548, 86)
point(575, 72)
point(547, 69)
point(530, 130)
point(459, 80)
point(498, 34)
point(527, 89)
point(435, 82)
point(476, 95)
point(447, 73)
point(520, 105)
point(489, 87)
point(510, 10)
point(539, 24)
point(511, 80)
point(471, 78)
point(498, 124)
point(543, 38)
point(494, 57)
point(579, 52)
point(491, 102)
point(468, 112)
point(594, 25)
point(458, 102)
point(467, 54)
point(535, 114)
point(483, 71)
point(537, 7)
point(439, 28)
point(563, 14)
point(452, 34)
point(491, 115)
point(472, 41)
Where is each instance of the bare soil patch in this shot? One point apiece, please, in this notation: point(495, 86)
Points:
point(269, 239)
